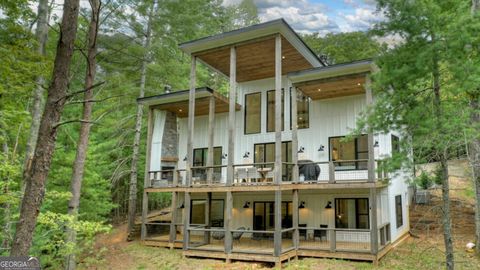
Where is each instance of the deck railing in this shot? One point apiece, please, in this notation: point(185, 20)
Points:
point(334, 239)
point(262, 173)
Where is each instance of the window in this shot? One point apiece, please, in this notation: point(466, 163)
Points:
point(399, 210)
point(198, 210)
point(253, 112)
point(341, 149)
point(271, 111)
point(395, 145)
point(200, 159)
point(352, 213)
point(303, 111)
point(264, 217)
point(265, 152)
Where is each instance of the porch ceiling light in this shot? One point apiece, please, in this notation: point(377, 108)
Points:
point(302, 205)
point(321, 148)
point(329, 205)
point(246, 205)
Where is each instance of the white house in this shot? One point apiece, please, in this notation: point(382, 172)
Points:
point(266, 173)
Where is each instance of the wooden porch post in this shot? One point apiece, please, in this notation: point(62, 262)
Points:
point(191, 120)
point(211, 126)
point(231, 115)
point(186, 220)
point(371, 176)
point(146, 180)
point(173, 227)
point(294, 134)
point(295, 218)
point(227, 222)
point(208, 209)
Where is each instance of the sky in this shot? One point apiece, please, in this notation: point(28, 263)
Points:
point(323, 16)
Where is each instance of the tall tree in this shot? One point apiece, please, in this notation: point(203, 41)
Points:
point(82, 145)
point(41, 34)
point(132, 200)
point(37, 173)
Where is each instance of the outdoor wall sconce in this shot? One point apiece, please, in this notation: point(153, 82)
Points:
point(321, 148)
point(247, 155)
point(329, 205)
point(375, 144)
point(182, 206)
point(185, 158)
point(302, 205)
point(246, 205)
point(224, 156)
point(301, 150)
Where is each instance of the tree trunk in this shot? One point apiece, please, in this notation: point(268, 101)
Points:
point(446, 217)
point(37, 173)
point(6, 205)
point(474, 147)
point(82, 146)
point(41, 34)
point(132, 201)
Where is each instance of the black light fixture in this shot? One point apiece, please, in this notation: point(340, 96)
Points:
point(247, 155)
point(182, 206)
point(302, 205)
point(329, 205)
point(375, 144)
point(321, 148)
point(246, 205)
point(185, 158)
point(301, 150)
point(224, 156)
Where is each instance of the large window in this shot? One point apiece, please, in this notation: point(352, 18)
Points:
point(348, 150)
point(303, 110)
point(399, 210)
point(200, 159)
point(352, 213)
point(271, 111)
point(253, 112)
point(198, 210)
point(264, 217)
point(265, 152)
point(395, 145)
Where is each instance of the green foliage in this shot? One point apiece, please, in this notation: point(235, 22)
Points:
point(424, 181)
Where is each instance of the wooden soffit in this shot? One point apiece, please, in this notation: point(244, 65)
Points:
point(341, 86)
point(255, 59)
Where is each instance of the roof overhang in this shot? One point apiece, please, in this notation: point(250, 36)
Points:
point(333, 81)
point(255, 47)
point(178, 102)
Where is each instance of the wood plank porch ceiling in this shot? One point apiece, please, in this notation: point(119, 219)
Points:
point(255, 59)
point(180, 108)
point(342, 86)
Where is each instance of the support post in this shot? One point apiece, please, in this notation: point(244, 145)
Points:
point(373, 221)
point(295, 217)
point(371, 153)
point(227, 222)
point(208, 223)
point(191, 120)
point(173, 221)
point(231, 115)
point(186, 221)
point(211, 127)
point(146, 180)
point(333, 240)
point(277, 240)
point(331, 172)
point(294, 124)
point(278, 109)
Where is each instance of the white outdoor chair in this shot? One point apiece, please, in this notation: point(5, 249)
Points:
point(252, 173)
point(241, 175)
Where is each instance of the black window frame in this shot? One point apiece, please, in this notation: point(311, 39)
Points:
point(395, 141)
point(398, 214)
point(286, 170)
point(204, 161)
point(308, 110)
point(357, 214)
point(357, 163)
point(205, 200)
point(283, 111)
point(245, 115)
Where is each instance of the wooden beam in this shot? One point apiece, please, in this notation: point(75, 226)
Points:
point(191, 120)
point(294, 124)
point(373, 221)
point(278, 109)
point(227, 222)
point(146, 179)
point(295, 217)
point(208, 210)
point(173, 227)
point(277, 240)
point(211, 134)
point(186, 220)
point(371, 150)
point(231, 115)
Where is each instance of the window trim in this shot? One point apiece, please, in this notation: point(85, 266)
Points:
point(245, 114)
point(396, 212)
point(356, 152)
point(356, 212)
point(291, 100)
point(283, 111)
point(204, 162)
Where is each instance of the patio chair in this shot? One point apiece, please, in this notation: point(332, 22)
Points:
point(238, 235)
point(302, 232)
point(252, 173)
point(322, 233)
point(218, 235)
point(241, 175)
